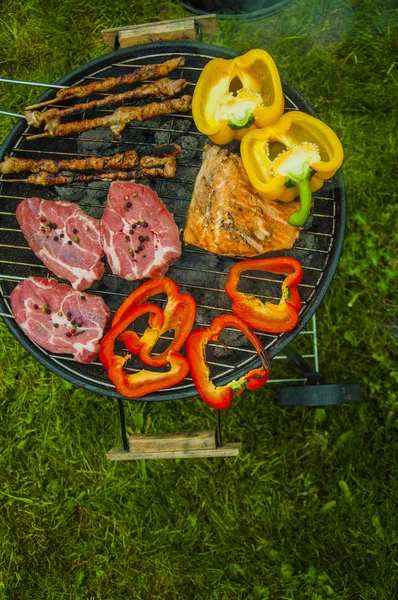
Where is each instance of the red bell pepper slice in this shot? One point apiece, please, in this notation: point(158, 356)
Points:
point(266, 316)
point(220, 397)
point(144, 382)
point(179, 315)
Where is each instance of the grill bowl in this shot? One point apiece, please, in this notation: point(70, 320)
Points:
point(197, 272)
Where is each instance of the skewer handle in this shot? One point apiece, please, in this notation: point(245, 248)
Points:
point(162, 32)
point(177, 29)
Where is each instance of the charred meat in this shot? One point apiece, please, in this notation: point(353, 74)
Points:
point(228, 217)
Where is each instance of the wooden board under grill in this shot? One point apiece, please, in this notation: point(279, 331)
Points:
point(197, 272)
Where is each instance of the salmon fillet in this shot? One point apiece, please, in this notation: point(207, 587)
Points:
point(228, 217)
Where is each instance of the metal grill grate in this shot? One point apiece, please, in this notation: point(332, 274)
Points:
point(198, 272)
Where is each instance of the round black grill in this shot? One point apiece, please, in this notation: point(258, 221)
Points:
point(199, 273)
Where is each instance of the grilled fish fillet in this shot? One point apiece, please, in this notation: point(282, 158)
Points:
point(228, 217)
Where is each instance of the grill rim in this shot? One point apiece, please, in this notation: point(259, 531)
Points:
point(340, 199)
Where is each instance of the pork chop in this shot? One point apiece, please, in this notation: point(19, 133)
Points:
point(138, 234)
point(60, 319)
point(228, 217)
point(65, 238)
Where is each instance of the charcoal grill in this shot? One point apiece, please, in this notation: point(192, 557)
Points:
point(197, 272)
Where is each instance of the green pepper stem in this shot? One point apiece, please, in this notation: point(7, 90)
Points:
point(246, 121)
point(238, 384)
point(298, 218)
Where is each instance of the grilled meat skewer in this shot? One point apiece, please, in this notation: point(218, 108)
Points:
point(118, 120)
point(166, 150)
point(122, 160)
point(155, 161)
point(140, 74)
point(162, 88)
point(47, 179)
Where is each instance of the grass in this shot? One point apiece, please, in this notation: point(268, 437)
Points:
point(309, 510)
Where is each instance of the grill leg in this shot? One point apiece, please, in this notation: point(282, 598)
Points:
point(122, 420)
point(218, 429)
point(312, 376)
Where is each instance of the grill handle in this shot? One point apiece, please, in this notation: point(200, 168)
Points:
point(186, 29)
point(193, 444)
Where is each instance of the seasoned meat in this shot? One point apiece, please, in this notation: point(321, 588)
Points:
point(122, 160)
point(118, 120)
point(140, 74)
point(138, 233)
point(60, 319)
point(162, 88)
point(65, 238)
point(228, 217)
point(160, 156)
point(166, 169)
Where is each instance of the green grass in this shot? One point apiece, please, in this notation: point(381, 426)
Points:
point(309, 510)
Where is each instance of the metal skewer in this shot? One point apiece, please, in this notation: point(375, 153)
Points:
point(47, 85)
point(11, 114)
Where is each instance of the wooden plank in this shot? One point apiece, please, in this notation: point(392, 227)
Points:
point(158, 32)
point(163, 442)
point(222, 452)
point(208, 24)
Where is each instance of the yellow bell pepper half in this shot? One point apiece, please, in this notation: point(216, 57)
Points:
point(233, 96)
point(292, 158)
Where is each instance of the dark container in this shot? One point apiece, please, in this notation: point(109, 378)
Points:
point(244, 10)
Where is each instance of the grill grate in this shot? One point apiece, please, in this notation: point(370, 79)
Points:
point(198, 272)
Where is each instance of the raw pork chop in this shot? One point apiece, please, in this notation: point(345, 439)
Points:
point(228, 217)
point(60, 319)
point(64, 238)
point(138, 233)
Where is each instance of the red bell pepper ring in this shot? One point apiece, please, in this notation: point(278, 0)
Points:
point(179, 315)
point(220, 397)
point(144, 382)
point(266, 316)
